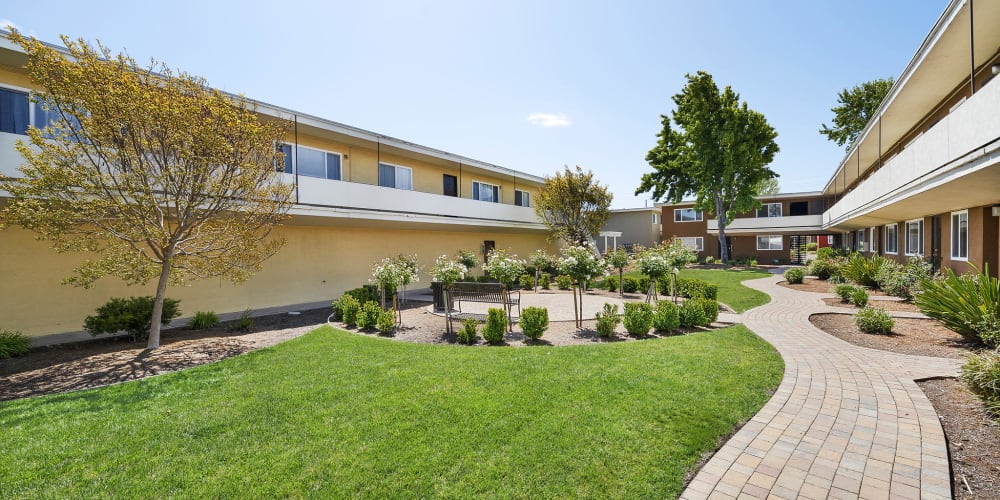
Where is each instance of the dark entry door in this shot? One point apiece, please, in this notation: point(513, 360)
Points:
point(936, 241)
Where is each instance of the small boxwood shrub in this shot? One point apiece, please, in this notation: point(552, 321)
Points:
point(470, 329)
point(822, 269)
point(874, 320)
point(982, 374)
point(386, 322)
point(611, 282)
point(349, 308)
point(368, 316)
point(545, 281)
point(811, 246)
point(203, 320)
point(630, 284)
point(132, 315)
point(709, 259)
point(694, 288)
point(709, 306)
point(859, 297)
point(608, 320)
point(496, 325)
point(692, 314)
point(526, 281)
point(642, 284)
point(13, 343)
point(794, 276)
point(534, 322)
point(667, 316)
point(564, 282)
point(844, 291)
point(638, 318)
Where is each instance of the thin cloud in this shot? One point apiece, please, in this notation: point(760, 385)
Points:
point(549, 120)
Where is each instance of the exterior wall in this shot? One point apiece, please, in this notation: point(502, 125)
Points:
point(636, 227)
point(689, 229)
point(318, 263)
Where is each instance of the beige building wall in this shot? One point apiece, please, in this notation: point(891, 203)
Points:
point(636, 227)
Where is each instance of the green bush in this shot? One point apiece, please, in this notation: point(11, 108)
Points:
point(545, 281)
point(822, 268)
point(982, 374)
point(692, 314)
point(203, 320)
point(844, 291)
point(830, 253)
point(534, 322)
point(795, 276)
point(564, 282)
point(886, 272)
point(709, 306)
point(611, 282)
point(526, 281)
point(642, 284)
point(368, 316)
point(496, 325)
point(638, 318)
point(859, 297)
point(812, 246)
point(709, 259)
point(630, 284)
point(133, 315)
point(667, 316)
point(467, 334)
point(608, 320)
point(386, 321)
point(363, 294)
point(349, 308)
point(865, 271)
point(906, 282)
point(695, 288)
point(13, 343)
point(874, 320)
point(244, 323)
point(969, 304)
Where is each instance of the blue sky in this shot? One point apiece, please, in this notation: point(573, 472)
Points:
point(530, 85)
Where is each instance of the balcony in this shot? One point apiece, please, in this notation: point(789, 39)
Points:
point(956, 147)
point(794, 224)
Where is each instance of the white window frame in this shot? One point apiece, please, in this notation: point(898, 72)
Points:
point(475, 190)
point(295, 160)
point(920, 238)
point(396, 175)
point(954, 227)
point(770, 239)
point(654, 217)
point(699, 242)
point(679, 218)
point(31, 102)
point(895, 239)
point(860, 243)
point(766, 207)
point(524, 196)
point(872, 245)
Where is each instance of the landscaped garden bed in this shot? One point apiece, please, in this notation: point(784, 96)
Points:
point(922, 337)
point(888, 305)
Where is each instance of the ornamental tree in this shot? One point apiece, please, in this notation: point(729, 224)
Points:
point(581, 263)
point(504, 268)
point(447, 272)
point(719, 153)
point(856, 107)
point(573, 205)
point(663, 260)
point(618, 260)
point(539, 260)
point(150, 172)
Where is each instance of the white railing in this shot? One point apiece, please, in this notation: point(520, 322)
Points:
point(774, 224)
point(975, 123)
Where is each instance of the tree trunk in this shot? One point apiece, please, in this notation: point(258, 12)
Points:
point(621, 291)
point(161, 292)
point(723, 222)
point(576, 312)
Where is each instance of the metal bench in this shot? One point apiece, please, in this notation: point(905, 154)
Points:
point(489, 293)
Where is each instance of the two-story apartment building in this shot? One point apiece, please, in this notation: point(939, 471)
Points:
point(360, 196)
point(627, 227)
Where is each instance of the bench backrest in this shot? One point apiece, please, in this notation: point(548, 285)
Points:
point(490, 291)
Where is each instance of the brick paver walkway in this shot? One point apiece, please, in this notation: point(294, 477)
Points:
point(846, 421)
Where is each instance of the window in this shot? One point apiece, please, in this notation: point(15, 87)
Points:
point(450, 185)
point(687, 215)
point(960, 235)
point(860, 241)
point(522, 198)
point(769, 242)
point(485, 192)
point(769, 210)
point(891, 239)
point(13, 111)
point(871, 240)
point(915, 237)
point(310, 162)
point(694, 243)
point(395, 176)
point(654, 218)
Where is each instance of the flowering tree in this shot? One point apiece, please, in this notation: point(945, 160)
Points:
point(581, 263)
point(409, 268)
point(666, 258)
point(618, 260)
point(539, 259)
point(505, 268)
point(447, 272)
point(467, 259)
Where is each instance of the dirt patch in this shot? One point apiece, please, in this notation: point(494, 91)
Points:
point(810, 285)
point(972, 439)
point(923, 337)
point(888, 305)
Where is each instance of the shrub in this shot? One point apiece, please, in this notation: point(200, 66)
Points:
point(844, 291)
point(642, 284)
point(830, 253)
point(611, 282)
point(244, 323)
point(368, 315)
point(467, 334)
point(794, 276)
point(496, 325)
point(545, 281)
point(709, 259)
point(710, 307)
point(349, 308)
point(203, 320)
point(608, 320)
point(630, 284)
point(859, 296)
point(13, 343)
point(906, 282)
point(969, 305)
point(886, 272)
point(982, 374)
point(638, 318)
point(812, 246)
point(132, 315)
point(361, 295)
point(863, 270)
point(386, 321)
point(695, 288)
point(822, 268)
point(667, 316)
point(874, 320)
point(534, 322)
point(692, 314)
point(564, 282)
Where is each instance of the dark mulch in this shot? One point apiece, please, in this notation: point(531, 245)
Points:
point(923, 337)
point(888, 305)
point(973, 439)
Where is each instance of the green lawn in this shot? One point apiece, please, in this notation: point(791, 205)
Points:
point(337, 414)
point(731, 290)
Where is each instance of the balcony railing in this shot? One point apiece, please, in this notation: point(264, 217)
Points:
point(773, 225)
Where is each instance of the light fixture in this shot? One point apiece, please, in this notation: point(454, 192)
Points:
point(996, 69)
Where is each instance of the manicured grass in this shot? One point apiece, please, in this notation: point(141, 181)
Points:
point(731, 290)
point(337, 414)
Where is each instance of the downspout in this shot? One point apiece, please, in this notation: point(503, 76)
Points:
point(296, 118)
point(972, 51)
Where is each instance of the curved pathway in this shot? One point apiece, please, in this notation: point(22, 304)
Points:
point(846, 421)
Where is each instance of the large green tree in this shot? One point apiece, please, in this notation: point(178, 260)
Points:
point(856, 106)
point(152, 174)
point(719, 152)
point(573, 205)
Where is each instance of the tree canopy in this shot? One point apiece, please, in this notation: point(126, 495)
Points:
point(152, 174)
point(768, 186)
point(573, 205)
point(719, 152)
point(856, 107)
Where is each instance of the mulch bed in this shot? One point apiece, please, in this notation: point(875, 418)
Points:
point(810, 285)
point(922, 337)
point(888, 305)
